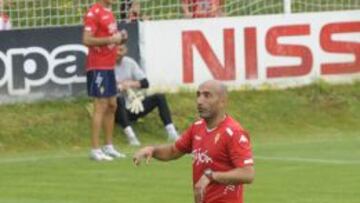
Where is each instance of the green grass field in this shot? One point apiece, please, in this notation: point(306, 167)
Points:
point(306, 144)
point(316, 171)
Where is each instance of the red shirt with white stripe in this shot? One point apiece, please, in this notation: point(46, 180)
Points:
point(101, 22)
point(221, 149)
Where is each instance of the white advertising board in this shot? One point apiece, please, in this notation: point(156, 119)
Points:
point(275, 50)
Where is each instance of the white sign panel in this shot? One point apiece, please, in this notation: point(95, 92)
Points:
point(279, 50)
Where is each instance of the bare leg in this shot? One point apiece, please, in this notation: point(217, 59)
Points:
point(109, 120)
point(100, 107)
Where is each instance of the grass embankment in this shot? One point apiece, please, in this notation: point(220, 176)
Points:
point(318, 111)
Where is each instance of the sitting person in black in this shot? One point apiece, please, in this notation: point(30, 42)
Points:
point(133, 103)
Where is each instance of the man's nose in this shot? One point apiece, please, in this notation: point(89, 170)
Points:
point(200, 100)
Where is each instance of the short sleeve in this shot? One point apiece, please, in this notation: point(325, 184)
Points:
point(90, 22)
point(136, 72)
point(184, 143)
point(240, 149)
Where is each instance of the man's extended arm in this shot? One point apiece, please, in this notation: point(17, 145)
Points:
point(162, 152)
point(235, 176)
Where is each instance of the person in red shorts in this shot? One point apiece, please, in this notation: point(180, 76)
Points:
point(101, 36)
point(202, 8)
point(222, 155)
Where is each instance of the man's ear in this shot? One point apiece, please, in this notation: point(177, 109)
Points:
point(224, 100)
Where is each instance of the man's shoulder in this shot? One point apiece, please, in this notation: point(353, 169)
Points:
point(198, 125)
point(128, 60)
point(232, 126)
point(128, 63)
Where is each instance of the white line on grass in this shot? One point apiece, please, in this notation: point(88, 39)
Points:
point(297, 142)
point(38, 158)
point(309, 160)
point(35, 158)
point(284, 159)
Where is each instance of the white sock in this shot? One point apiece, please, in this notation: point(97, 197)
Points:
point(129, 132)
point(171, 130)
point(95, 151)
point(109, 146)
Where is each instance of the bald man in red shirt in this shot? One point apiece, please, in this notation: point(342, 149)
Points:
point(221, 149)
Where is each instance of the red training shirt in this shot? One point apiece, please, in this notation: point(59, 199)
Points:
point(101, 22)
point(204, 8)
point(221, 149)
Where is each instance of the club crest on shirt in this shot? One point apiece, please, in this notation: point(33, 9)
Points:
point(217, 137)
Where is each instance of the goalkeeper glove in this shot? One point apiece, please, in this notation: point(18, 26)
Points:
point(135, 102)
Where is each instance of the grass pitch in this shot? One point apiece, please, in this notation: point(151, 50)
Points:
point(306, 144)
point(306, 171)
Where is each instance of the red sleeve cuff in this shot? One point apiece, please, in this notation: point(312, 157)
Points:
point(179, 146)
point(244, 162)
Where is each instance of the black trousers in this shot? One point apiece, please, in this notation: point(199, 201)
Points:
point(124, 117)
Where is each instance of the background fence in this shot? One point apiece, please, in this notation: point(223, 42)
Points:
point(47, 13)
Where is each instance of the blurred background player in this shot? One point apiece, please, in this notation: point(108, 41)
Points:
point(222, 156)
point(5, 23)
point(101, 37)
point(125, 6)
point(130, 10)
point(202, 8)
point(133, 103)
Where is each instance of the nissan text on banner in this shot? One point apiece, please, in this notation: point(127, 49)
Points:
point(276, 50)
